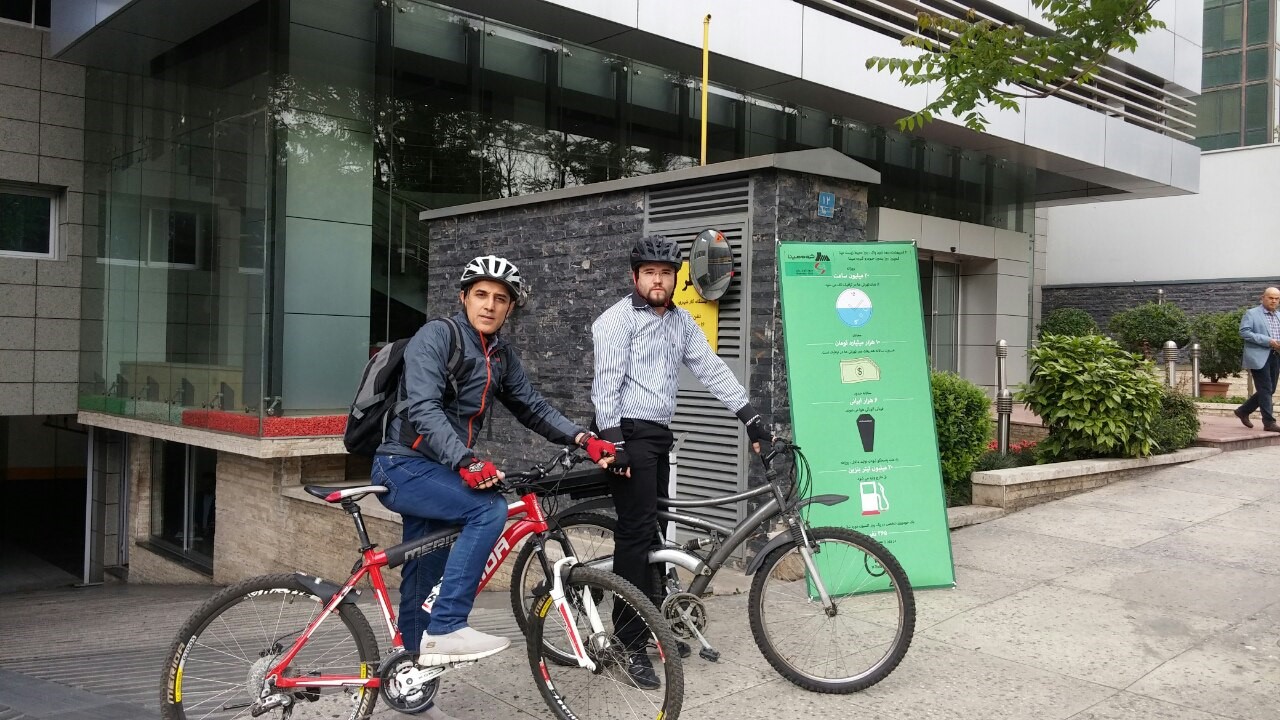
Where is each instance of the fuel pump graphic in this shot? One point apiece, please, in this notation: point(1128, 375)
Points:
point(873, 498)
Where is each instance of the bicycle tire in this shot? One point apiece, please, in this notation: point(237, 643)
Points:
point(871, 629)
point(566, 687)
point(526, 574)
point(226, 643)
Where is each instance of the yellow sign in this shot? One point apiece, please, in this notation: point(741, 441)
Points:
point(705, 312)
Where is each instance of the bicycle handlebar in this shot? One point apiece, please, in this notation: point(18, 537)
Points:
point(565, 458)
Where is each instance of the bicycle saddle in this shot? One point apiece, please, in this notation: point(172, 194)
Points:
point(338, 494)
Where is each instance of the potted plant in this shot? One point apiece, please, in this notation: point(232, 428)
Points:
point(1220, 350)
point(1146, 327)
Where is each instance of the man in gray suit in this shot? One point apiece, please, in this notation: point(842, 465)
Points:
point(1260, 328)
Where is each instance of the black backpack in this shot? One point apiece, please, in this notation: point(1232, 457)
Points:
point(379, 393)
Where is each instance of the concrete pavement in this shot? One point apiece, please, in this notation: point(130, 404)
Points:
point(1157, 597)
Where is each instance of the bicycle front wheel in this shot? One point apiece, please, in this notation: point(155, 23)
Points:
point(609, 691)
point(217, 665)
point(851, 643)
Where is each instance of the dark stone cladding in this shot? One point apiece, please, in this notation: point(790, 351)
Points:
point(1195, 298)
point(573, 252)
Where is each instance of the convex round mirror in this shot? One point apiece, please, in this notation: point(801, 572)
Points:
point(711, 264)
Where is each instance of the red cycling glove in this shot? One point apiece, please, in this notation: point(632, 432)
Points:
point(596, 448)
point(477, 472)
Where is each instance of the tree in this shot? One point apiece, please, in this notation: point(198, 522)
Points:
point(983, 63)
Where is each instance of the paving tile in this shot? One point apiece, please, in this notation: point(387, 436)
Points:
point(1262, 516)
point(934, 681)
point(1201, 588)
point(1018, 553)
point(1207, 481)
point(1236, 675)
point(1218, 545)
point(1114, 528)
point(1078, 634)
point(1127, 706)
point(1157, 501)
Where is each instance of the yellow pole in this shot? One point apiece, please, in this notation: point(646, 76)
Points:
point(706, 39)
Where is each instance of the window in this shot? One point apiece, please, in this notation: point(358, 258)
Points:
point(26, 12)
point(28, 221)
point(183, 480)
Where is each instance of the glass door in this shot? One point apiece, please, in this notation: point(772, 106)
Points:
point(940, 298)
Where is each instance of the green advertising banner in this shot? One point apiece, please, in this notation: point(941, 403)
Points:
point(861, 403)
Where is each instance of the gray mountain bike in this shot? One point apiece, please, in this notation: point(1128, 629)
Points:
point(830, 608)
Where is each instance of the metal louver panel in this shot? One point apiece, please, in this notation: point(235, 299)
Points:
point(712, 456)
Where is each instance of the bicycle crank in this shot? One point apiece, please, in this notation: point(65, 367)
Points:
point(406, 687)
point(687, 617)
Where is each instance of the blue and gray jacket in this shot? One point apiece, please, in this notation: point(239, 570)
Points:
point(447, 425)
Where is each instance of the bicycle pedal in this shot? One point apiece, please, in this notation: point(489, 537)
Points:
point(709, 654)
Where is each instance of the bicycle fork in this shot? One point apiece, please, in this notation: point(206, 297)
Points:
point(588, 604)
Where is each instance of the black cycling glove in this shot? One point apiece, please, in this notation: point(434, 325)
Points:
point(757, 428)
point(621, 461)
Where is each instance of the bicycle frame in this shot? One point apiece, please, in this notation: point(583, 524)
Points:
point(534, 522)
point(704, 571)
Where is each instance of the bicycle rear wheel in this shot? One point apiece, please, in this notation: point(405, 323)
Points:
point(216, 666)
point(608, 692)
point(590, 537)
point(860, 639)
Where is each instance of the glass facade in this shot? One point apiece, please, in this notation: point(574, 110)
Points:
point(1238, 106)
point(258, 187)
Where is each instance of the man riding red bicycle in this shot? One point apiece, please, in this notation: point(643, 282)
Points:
point(434, 476)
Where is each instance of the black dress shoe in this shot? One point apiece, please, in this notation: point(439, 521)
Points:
point(1244, 418)
point(1271, 427)
point(640, 670)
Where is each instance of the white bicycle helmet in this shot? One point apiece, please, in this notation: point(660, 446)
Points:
point(492, 267)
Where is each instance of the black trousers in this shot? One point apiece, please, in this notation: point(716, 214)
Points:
point(636, 501)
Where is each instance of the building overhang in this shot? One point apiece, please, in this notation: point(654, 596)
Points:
point(254, 447)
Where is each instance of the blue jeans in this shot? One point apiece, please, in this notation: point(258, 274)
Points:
point(1264, 385)
point(430, 496)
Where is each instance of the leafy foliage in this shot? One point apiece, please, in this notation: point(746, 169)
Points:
point(1145, 328)
point(962, 412)
point(1068, 321)
point(1096, 399)
point(1178, 423)
point(1220, 343)
point(981, 63)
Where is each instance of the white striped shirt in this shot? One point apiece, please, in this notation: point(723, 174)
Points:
point(638, 358)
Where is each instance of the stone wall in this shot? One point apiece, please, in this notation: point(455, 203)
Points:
point(41, 147)
point(263, 530)
point(574, 254)
point(1194, 298)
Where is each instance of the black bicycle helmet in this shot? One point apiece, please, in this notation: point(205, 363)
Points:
point(656, 248)
point(492, 267)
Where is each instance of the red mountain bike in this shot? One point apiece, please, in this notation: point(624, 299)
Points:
point(297, 646)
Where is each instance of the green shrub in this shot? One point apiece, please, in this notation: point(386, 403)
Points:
point(1177, 425)
point(962, 412)
point(1220, 343)
point(993, 460)
point(1146, 328)
point(1096, 399)
point(1068, 321)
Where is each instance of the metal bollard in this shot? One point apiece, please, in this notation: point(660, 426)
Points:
point(1004, 399)
point(1159, 296)
point(1195, 370)
point(1171, 358)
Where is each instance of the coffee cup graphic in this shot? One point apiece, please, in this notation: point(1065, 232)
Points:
point(867, 431)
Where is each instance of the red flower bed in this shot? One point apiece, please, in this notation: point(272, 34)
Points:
point(242, 424)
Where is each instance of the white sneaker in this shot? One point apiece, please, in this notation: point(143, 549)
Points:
point(461, 645)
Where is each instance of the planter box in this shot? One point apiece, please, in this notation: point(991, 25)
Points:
point(1017, 488)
